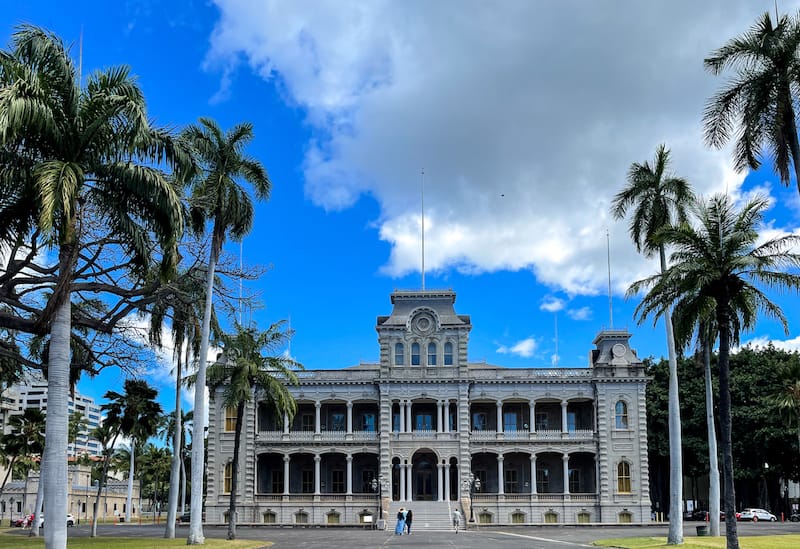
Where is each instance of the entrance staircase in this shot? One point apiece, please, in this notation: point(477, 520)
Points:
point(430, 516)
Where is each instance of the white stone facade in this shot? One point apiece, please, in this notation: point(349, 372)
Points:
point(562, 445)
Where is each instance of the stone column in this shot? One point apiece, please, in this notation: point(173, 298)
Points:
point(447, 481)
point(401, 478)
point(563, 416)
point(286, 460)
point(532, 418)
point(499, 416)
point(401, 407)
point(285, 423)
point(317, 422)
point(500, 476)
point(533, 474)
point(349, 417)
point(409, 482)
point(439, 422)
point(349, 475)
point(446, 413)
point(408, 416)
point(317, 460)
point(566, 473)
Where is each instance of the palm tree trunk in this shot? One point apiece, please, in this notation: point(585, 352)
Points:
point(129, 499)
point(183, 483)
point(723, 322)
point(8, 474)
point(53, 461)
point(198, 432)
point(794, 146)
point(175, 473)
point(37, 510)
point(237, 439)
point(675, 532)
point(713, 466)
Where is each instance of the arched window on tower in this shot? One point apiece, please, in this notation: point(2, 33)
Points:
point(448, 354)
point(621, 412)
point(431, 354)
point(415, 358)
point(399, 354)
point(624, 477)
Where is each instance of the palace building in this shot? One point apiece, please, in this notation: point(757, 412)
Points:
point(428, 430)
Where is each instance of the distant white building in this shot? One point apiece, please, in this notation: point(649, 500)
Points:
point(33, 394)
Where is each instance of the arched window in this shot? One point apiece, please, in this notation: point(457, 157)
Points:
point(621, 410)
point(399, 354)
point(415, 354)
point(448, 354)
point(624, 477)
point(228, 478)
point(230, 419)
point(431, 354)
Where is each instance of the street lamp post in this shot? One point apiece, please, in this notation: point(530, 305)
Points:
point(11, 501)
point(473, 484)
point(378, 485)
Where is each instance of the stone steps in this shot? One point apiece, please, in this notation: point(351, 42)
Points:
point(427, 515)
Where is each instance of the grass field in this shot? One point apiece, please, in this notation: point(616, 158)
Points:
point(750, 542)
point(14, 541)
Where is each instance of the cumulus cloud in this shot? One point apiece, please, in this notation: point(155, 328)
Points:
point(524, 115)
point(552, 304)
point(584, 313)
point(785, 344)
point(524, 348)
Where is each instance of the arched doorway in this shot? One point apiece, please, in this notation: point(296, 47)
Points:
point(424, 476)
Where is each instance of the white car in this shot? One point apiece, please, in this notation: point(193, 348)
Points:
point(757, 514)
point(70, 520)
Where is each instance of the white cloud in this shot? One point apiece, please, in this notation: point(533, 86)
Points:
point(524, 348)
point(552, 304)
point(525, 116)
point(785, 344)
point(584, 313)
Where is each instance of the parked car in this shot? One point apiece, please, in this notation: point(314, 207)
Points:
point(22, 521)
point(186, 517)
point(795, 517)
point(755, 515)
point(70, 520)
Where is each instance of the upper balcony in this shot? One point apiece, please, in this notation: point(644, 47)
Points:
point(311, 436)
point(582, 435)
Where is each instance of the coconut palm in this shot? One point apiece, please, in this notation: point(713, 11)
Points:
point(106, 434)
point(757, 106)
point(658, 198)
point(77, 151)
point(217, 198)
point(25, 439)
point(138, 416)
point(78, 424)
point(246, 368)
point(720, 261)
point(788, 399)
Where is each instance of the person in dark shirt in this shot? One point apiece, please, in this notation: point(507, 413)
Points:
point(409, 519)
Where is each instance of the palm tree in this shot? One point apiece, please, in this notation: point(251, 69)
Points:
point(82, 151)
point(217, 197)
point(720, 261)
point(757, 105)
point(658, 198)
point(77, 427)
point(25, 439)
point(155, 464)
point(106, 434)
point(138, 416)
point(245, 369)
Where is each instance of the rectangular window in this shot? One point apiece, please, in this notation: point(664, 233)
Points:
point(415, 359)
point(277, 482)
point(448, 354)
point(396, 422)
point(511, 481)
point(478, 421)
point(337, 422)
point(482, 475)
point(509, 421)
point(369, 423)
point(572, 420)
point(307, 422)
point(307, 477)
point(543, 480)
point(432, 354)
point(366, 480)
point(227, 478)
point(624, 478)
point(337, 481)
point(230, 419)
point(423, 422)
point(541, 422)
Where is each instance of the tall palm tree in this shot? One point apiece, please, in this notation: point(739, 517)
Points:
point(757, 106)
point(244, 369)
point(182, 307)
point(77, 428)
point(138, 415)
point(217, 198)
point(720, 260)
point(78, 151)
point(658, 198)
point(25, 439)
point(155, 464)
point(106, 434)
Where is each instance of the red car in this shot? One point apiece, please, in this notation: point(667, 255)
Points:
point(23, 521)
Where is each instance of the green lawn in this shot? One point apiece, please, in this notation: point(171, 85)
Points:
point(13, 541)
point(752, 542)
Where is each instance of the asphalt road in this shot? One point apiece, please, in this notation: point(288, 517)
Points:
point(544, 537)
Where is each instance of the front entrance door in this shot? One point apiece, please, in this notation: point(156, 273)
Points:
point(424, 477)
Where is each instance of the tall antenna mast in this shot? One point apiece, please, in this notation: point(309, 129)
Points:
point(608, 259)
point(80, 59)
point(555, 316)
point(423, 228)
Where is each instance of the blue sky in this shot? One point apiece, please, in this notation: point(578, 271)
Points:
point(524, 115)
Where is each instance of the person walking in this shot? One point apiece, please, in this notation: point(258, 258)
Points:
point(409, 520)
point(401, 522)
point(456, 519)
